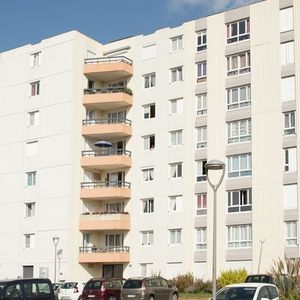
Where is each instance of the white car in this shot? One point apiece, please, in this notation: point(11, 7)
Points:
point(248, 291)
point(71, 290)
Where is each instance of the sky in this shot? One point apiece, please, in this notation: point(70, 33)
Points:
point(29, 21)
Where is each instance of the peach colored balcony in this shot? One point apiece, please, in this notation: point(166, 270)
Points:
point(106, 128)
point(105, 255)
point(108, 68)
point(106, 159)
point(105, 221)
point(107, 99)
point(105, 190)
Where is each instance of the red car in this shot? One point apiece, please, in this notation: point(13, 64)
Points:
point(103, 289)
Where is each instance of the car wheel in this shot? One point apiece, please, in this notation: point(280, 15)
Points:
point(151, 298)
point(175, 297)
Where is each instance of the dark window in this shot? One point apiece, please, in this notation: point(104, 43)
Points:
point(133, 284)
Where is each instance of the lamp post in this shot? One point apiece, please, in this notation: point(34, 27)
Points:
point(59, 255)
point(215, 165)
point(55, 243)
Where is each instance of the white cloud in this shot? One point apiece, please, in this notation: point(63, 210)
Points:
point(212, 5)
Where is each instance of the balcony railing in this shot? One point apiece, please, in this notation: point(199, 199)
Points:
point(105, 212)
point(106, 121)
point(114, 249)
point(110, 59)
point(102, 184)
point(108, 90)
point(105, 152)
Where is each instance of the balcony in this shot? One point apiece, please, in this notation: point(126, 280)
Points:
point(108, 68)
point(105, 190)
point(108, 159)
point(106, 128)
point(104, 255)
point(104, 221)
point(107, 98)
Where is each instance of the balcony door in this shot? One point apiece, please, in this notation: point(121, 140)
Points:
point(113, 242)
point(115, 177)
point(116, 117)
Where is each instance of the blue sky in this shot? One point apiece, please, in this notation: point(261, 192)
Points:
point(29, 21)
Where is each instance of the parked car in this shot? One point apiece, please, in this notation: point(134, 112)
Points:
point(248, 291)
point(148, 288)
point(56, 287)
point(71, 290)
point(264, 278)
point(27, 289)
point(103, 289)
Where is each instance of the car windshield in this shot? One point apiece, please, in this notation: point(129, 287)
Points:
point(240, 293)
point(93, 284)
point(133, 284)
point(69, 285)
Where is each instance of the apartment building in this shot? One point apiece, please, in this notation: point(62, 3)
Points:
point(107, 145)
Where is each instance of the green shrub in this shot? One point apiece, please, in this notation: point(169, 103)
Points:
point(183, 282)
point(202, 286)
point(231, 276)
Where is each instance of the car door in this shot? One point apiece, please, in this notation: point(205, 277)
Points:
point(156, 287)
point(166, 292)
point(13, 291)
point(263, 293)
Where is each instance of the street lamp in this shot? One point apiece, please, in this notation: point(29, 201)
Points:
point(55, 243)
point(215, 165)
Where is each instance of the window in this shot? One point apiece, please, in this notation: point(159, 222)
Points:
point(147, 206)
point(238, 64)
point(149, 81)
point(289, 123)
point(238, 97)
point(176, 170)
point(177, 43)
point(149, 142)
point(35, 59)
point(291, 233)
point(240, 236)
point(239, 200)
point(175, 236)
point(35, 88)
point(239, 131)
point(33, 118)
point(201, 137)
point(147, 238)
point(148, 51)
point(28, 240)
point(201, 208)
point(148, 174)
point(31, 179)
point(201, 41)
point(29, 209)
point(288, 92)
point(239, 165)
point(149, 111)
point(287, 53)
point(290, 160)
point(201, 72)
point(201, 243)
point(32, 148)
point(238, 31)
point(176, 74)
point(286, 19)
point(201, 171)
point(176, 138)
point(290, 195)
point(201, 104)
point(176, 106)
point(175, 203)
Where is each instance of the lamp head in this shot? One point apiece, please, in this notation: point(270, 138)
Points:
point(55, 240)
point(214, 164)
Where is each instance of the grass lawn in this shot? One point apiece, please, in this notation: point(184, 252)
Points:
point(198, 296)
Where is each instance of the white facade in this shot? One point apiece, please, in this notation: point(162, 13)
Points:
point(200, 92)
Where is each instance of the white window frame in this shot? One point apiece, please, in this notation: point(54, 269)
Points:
point(238, 36)
point(35, 88)
point(244, 203)
point(201, 69)
point(147, 238)
point(30, 209)
point(201, 104)
point(176, 74)
point(201, 171)
point(177, 105)
point(201, 204)
point(149, 80)
point(175, 203)
point(176, 170)
point(286, 19)
point(235, 134)
point(175, 138)
point(239, 69)
point(35, 59)
point(201, 238)
point(32, 148)
point(176, 43)
point(287, 53)
point(31, 179)
point(148, 174)
point(28, 240)
point(232, 104)
point(148, 142)
point(147, 205)
point(239, 172)
point(289, 119)
point(201, 137)
point(288, 88)
point(201, 40)
point(149, 111)
point(33, 118)
point(290, 159)
point(239, 236)
point(291, 233)
point(175, 236)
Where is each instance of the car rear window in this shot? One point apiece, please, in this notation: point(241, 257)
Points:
point(133, 284)
point(93, 284)
point(69, 285)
